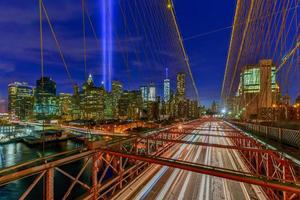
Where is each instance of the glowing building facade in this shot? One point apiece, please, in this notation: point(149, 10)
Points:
point(130, 105)
point(257, 91)
point(20, 100)
point(181, 85)
point(108, 106)
point(152, 92)
point(66, 106)
point(117, 89)
point(46, 104)
point(250, 79)
point(92, 100)
point(94, 103)
point(167, 90)
point(144, 92)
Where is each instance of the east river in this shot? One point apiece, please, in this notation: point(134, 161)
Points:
point(16, 153)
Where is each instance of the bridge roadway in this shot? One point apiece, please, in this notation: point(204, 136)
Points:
point(159, 182)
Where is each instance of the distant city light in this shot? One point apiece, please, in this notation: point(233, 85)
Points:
point(180, 127)
point(224, 111)
point(28, 130)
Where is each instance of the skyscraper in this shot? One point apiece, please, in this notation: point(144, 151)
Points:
point(130, 105)
point(117, 90)
point(167, 87)
point(20, 100)
point(145, 92)
point(76, 110)
point(46, 104)
point(92, 100)
point(117, 87)
point(108, 106)
point(46, 85)
point(66, 106)
point(181, 85)
point(152, 92)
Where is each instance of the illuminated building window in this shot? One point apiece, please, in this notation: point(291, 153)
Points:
point(250, 80)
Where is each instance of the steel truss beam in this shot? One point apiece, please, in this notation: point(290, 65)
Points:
point(201, 134)
point(210, 129)
point(258, 158)
point(271, 164)
point(248, 149)
point(214, 171)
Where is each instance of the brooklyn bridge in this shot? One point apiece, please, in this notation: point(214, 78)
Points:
point(117, 110)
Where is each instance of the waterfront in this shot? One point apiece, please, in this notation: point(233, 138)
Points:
point(16, 153)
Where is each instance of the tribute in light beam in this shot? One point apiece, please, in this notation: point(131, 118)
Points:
point(107, 47)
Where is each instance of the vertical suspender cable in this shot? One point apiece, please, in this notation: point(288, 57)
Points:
point(41, 38)
point(42, 76)
point(84, 39)
point(42, 58)
point(84, 61)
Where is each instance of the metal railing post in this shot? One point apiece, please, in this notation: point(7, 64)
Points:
point(121, 171)
point(94, 174)
point(49, 184)
point(280, 135)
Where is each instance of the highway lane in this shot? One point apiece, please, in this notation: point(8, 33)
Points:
point(155, 173)
point(169, 183)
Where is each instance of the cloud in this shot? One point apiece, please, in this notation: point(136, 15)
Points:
point(7, 67)
point(20, 47)
point(24, 12)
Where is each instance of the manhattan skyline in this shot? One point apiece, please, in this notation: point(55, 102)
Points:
point(20, 52)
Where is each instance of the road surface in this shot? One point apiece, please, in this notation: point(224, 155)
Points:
point(159, 182)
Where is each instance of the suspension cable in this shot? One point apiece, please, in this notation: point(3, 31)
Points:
point(187, 62)
point(84, 38)
point(57, 43)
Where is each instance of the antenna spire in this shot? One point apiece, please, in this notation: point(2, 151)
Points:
point(167, 73)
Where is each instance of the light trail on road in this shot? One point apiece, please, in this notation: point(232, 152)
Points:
point(170, 183)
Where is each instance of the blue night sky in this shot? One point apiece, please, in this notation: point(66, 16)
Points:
point(20, 58)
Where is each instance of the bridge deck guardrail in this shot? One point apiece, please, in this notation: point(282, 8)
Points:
point(281, 135)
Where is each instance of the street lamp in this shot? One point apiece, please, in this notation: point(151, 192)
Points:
point(180, 127)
